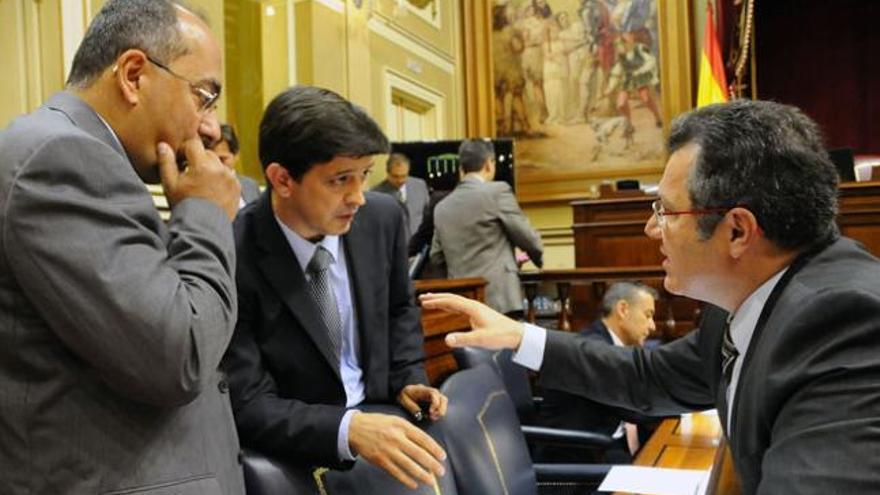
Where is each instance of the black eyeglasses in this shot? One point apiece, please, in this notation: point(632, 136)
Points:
point(207, 99)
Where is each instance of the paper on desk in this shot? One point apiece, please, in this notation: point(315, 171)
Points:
point(655, 481)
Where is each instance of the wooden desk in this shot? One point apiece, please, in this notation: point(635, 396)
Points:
point(694, 442)
point(439, 362)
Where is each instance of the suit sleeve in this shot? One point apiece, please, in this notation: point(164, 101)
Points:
point(405, 338)
point(273, 424)
point(825, 398)
point(517, 227)
point(657, 382)
point(152, 315)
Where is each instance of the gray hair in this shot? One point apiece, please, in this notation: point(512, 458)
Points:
point(627, 291)
point(766, 157)
point(148, 25)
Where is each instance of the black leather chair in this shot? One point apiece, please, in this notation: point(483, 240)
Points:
point(516, 382)
point(265, 476)
point(486, 447)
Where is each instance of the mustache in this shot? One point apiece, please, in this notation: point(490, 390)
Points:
point(207, 142)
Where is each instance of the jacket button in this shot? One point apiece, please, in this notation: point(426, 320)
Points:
point(223, 386)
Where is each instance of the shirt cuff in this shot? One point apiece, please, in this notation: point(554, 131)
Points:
point(531, 350)
point(342, 438)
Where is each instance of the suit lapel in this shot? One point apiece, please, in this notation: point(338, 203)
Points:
point(281, 269)
point(754, 345)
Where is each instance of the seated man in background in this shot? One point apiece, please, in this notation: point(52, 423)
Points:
point(226, 149)
point(327, 317)
point(746, 222)
point(478, 225)
point(627, 320)
point(411, 192)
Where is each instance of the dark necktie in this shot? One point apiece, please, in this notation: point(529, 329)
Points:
point(728, 355)
point(322, 292)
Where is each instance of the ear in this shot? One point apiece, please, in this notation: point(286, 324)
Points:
point(742, 230)
point(128, 72)
point(621, 308)
point(280, 179)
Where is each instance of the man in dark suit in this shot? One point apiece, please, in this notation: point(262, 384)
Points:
point(112, 322)
point(327, 317)
point(627, 320)
point(746, 220)
point(227, 151)
point(478, 225)
point(410, 192)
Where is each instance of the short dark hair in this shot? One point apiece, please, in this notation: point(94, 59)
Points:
point(227, 133)
point(626, 291)
point(148, 25)
point(473, 153)
point(764, 156)
point(394, 159)
point(305, 125)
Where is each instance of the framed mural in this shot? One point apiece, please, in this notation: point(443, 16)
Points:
point(587, 88)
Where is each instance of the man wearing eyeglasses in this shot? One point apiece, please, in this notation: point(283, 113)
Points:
point(746, 220)
point(112, 323)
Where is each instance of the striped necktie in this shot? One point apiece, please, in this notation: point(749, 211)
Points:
point(728, 355)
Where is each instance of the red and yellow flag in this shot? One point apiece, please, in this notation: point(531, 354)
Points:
point(712, 86)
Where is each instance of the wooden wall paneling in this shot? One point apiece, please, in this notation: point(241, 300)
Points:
point(477, 56)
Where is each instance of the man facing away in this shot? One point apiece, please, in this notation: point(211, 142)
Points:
point(477, 227)
point(746, 221)
point(411, 192)
point(112, 323)
point(327, 317)
point(627, 320)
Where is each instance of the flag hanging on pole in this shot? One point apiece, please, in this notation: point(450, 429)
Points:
point(712, 86)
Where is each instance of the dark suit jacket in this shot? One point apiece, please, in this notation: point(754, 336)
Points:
point(416, 200)
point(286, 390)
point(564, 410)
point(112, 322)
point(806, 415)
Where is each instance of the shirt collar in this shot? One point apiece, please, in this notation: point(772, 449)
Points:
point(304, 249)
point(743, 322)
point(614, 338)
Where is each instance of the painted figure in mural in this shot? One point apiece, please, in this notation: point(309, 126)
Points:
point(634, 72)
point(533, 28)
point(507, 48)
point(574, 44)
point(556, 75)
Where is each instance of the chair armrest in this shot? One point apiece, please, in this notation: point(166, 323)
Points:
point(572, 438)
point(584, 473)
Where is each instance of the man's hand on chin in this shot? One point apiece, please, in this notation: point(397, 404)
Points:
point(490, 329)
point(397, 446)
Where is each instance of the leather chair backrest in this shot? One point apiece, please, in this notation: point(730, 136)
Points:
point(516, 378)
point(482, 436)
point(266, 476)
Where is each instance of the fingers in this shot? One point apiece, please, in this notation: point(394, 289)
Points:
point(398, 447)
point(463, 339)
point(407, 400)
point(412, 397)
point(194, 149)
point(448, 302)
point(168, 171)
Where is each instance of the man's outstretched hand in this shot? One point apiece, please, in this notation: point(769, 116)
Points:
point(490, 329)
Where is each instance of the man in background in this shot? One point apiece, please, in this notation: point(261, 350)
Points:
point(226, 150)
point(627, 320)
point(410, 192)
point(327, 317)
point(112, 323)
point(477, 227)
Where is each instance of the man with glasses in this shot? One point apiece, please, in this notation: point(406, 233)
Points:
point(112, 323)
point(746, 221)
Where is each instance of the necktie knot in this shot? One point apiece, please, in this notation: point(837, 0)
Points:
point(320, 260)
